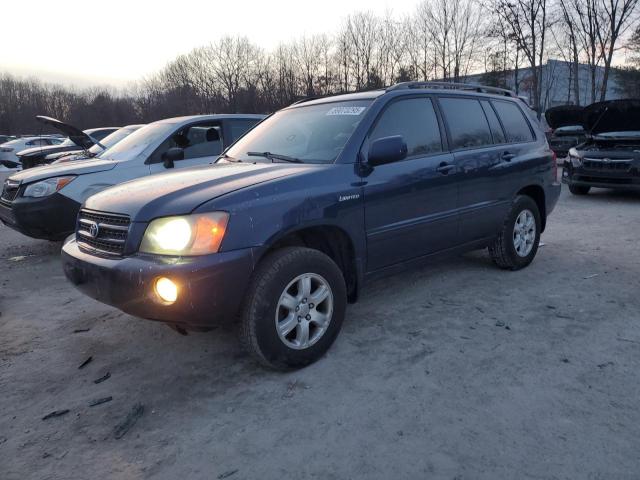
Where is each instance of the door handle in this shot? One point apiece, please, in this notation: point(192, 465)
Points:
point(508, 156)
point(444, 168)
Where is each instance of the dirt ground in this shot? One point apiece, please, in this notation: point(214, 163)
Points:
point(456, 371)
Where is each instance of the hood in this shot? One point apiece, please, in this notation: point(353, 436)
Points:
point(612, 116)
point(46, 150)
point(78, 137)
point(47, 171)
point(180, 192)
point(564, 116)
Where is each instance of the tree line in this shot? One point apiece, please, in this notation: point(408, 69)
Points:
point(439, 40)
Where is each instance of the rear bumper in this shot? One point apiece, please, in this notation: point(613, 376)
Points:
point(551, 196)
point(211, 287)
point(48, 218)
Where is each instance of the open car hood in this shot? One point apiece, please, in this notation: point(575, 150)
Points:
point(564, 116)
point(71, 168)
point(613, 116)
point(78, 137)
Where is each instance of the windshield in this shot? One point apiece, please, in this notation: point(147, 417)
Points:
point(68, 143)
point(311, 134)
point(134, 144)
point(110, 140)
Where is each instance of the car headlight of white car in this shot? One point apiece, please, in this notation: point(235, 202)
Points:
point(197, 234)
point(47, 187)
point(574, 158)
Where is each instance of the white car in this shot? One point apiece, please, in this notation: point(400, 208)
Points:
point(8, 150)
point(43, 202)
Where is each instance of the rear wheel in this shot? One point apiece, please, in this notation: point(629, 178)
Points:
point(579, 189)
point(517, 244)
point(294, 308)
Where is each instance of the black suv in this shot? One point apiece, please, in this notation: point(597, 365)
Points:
point(610, 157)
point(316, 200)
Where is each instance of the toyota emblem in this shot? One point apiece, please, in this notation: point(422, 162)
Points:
point(94, 230)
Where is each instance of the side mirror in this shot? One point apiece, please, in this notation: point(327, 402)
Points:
point(172, 155)
point(387, 150)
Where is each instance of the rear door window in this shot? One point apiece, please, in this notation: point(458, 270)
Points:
point(467, 123)
point(515, 124)
point(415, 119)
point(494, 123)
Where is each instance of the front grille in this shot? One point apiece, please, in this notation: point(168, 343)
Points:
point(102, 233)
point(9, 191)
point(607, 165)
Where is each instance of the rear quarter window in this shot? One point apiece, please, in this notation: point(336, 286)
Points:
point(240, 127)
point(515, 124)
point(467, 123)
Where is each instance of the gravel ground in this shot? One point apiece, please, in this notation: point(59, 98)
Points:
point(456, 371)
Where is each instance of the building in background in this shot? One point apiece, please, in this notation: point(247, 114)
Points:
point(557, 83)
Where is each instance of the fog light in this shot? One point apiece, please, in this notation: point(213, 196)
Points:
point(166, 290)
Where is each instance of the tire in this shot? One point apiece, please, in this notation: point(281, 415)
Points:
point(579, 189)
point(510, 250)
point(285, 271)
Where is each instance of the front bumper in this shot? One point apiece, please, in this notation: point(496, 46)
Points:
point(48, 218)
point(211, 287)
point(581, 177)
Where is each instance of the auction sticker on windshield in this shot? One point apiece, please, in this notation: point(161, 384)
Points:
point(346, 110)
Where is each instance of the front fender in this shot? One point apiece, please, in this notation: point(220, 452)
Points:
point(262, 214)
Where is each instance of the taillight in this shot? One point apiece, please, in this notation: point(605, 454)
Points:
point(554, 159)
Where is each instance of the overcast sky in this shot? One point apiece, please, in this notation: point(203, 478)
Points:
point(117, 41)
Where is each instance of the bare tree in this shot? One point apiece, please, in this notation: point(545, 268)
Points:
point(569, 32)
point(453, 28)
point(617, 16)
point(528, 23)
point(418, 45)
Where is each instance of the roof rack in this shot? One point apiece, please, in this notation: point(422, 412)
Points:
point(453, 86)
point(306, 99)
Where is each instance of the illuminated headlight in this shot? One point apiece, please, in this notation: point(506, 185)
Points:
point(198, 234)
point(46, 187)
point(574, 157)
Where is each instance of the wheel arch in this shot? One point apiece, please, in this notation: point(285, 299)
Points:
point(333, 241)
point(536, 192)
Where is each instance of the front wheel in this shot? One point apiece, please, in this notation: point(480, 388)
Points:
point(579, 189)
point(517, 243)
point(294, 308)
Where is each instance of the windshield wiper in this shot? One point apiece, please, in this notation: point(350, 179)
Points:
point(274, 156)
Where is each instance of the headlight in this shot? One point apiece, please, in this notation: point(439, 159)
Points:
point(198, 234)
point(574, 156)
point(46, 187)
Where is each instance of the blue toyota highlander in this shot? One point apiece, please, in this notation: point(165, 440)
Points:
point(294, 218)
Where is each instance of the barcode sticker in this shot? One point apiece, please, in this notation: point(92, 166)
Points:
point(346, 110)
